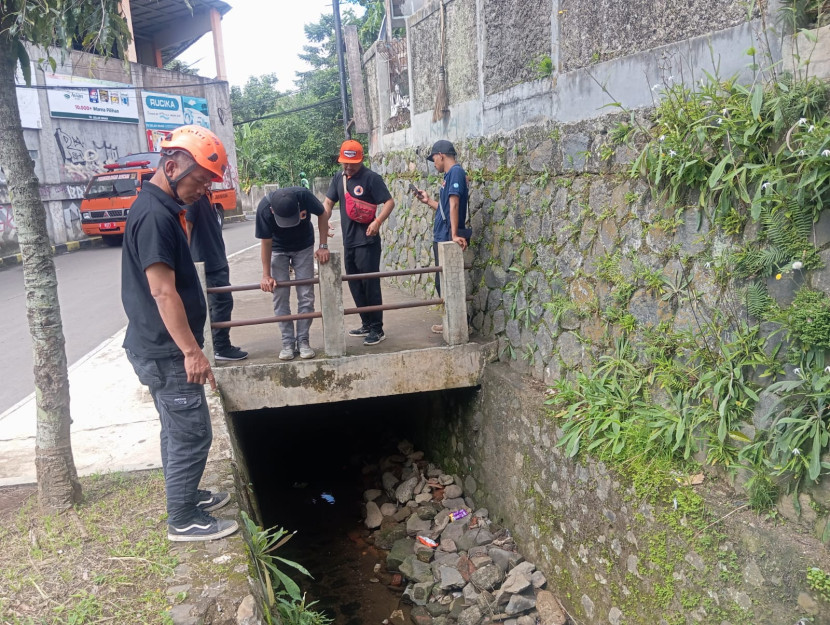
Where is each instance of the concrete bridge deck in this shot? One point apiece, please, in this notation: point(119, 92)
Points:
point(412, 359)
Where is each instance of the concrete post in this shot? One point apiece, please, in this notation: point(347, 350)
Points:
point(454, 292)
point(331, 304)
point(208, 348)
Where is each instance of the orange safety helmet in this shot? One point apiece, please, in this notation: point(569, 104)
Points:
point(203, 145)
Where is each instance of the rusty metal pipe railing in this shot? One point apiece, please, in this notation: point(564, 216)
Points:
point(317, 315)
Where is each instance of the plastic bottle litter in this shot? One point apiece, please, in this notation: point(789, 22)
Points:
point(457, 515)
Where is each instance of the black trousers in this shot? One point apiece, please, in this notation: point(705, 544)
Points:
point(437, 275)
point(221, 305)
point(365, 259)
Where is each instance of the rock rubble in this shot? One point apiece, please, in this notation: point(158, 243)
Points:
point(458, 567)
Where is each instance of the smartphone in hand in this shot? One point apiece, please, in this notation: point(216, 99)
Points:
point(414, 189)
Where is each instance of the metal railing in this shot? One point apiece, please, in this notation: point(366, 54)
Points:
point(332, 310)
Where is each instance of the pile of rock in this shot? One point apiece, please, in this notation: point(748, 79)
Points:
point(459, 567)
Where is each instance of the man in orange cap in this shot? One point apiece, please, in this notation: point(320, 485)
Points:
point(166, 313)
point(359, 191)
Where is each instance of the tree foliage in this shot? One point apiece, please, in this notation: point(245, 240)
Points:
point(298, 130)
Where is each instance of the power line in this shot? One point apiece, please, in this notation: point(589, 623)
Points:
point(289, 111)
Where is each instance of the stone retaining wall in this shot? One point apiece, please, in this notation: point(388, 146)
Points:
point(609, 555)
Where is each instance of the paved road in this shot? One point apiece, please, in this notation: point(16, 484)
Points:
point(89, 289)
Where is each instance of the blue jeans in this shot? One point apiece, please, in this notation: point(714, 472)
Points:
point(186, 433)
point(303, 263)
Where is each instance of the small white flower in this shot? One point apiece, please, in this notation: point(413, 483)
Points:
point(672, 153)
point(797, 371)
point(825, 153)
point(720, 121)
point(802, 153)
point(662, 138)
point(802, 121)
point(827, 370)
point(765, 185)
point(811, 129)
point(798, 264)
point(796, 452)
point(724, 112)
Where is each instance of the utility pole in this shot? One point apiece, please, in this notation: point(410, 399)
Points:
point(341, 67)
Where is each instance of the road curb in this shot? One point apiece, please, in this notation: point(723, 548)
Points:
point(13, 260)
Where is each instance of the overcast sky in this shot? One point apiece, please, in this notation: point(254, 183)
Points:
point(260, 38)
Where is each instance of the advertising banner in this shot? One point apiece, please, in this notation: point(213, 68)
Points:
point(89, 98)
point(27, 102)
point(162, 111)
point(196, 111)
point(154, 139)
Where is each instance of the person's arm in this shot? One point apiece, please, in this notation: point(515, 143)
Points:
point(322, 254)
point(162, 281)
point(374, 227)
point(424, 197)
point(454, 204)
point(267, 283)
point(328, 206)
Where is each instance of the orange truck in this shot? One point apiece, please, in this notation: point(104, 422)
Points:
point(110, 194)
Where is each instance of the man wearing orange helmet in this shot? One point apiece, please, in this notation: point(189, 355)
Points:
point(166, 313)
point(359, 191)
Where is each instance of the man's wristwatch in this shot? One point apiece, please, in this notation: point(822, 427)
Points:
point(324, 246)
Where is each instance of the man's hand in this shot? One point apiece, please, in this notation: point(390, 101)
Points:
point(422, 195)
point(198, 369)
point(373, 228)
point(322, 255)
point(267, 284)
point(461, 241)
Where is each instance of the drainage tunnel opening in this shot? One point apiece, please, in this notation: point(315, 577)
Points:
point(309, 467)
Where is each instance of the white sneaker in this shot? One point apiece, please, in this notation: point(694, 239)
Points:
point(287, 353)
point(306, 352)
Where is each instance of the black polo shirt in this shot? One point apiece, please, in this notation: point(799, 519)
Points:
point(365, 185)
point(292, 239)
point(206, 242)
point(153, 234)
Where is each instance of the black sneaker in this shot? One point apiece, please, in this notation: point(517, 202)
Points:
point(208, 501)
point(361, 331)
point(375, 337)
point(202, 527)
point(231, 353)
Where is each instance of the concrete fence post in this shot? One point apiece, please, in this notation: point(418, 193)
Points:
point(454, 292)
point(208, 348)
point(331, 304)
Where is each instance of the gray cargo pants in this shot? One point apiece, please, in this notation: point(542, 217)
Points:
point(186, 433)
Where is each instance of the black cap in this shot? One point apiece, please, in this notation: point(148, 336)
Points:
point(441, 147)
point(285, 207)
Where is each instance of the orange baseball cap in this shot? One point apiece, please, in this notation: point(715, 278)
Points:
point(351, 152)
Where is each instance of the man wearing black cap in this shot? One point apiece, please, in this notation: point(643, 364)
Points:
point(451, 207)
point(283, 225)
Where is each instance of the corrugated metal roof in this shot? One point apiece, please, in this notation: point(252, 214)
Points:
point(152, 16)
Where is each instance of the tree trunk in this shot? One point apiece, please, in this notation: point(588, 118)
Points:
point(57, 478)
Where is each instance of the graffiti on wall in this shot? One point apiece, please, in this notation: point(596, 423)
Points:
point(82, 158)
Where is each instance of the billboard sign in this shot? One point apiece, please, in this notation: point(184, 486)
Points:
point(162, 111)
point(89, 98)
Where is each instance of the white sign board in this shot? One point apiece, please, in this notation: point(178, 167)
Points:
point(162, 111)
point(27, 102)
point(89, 98)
